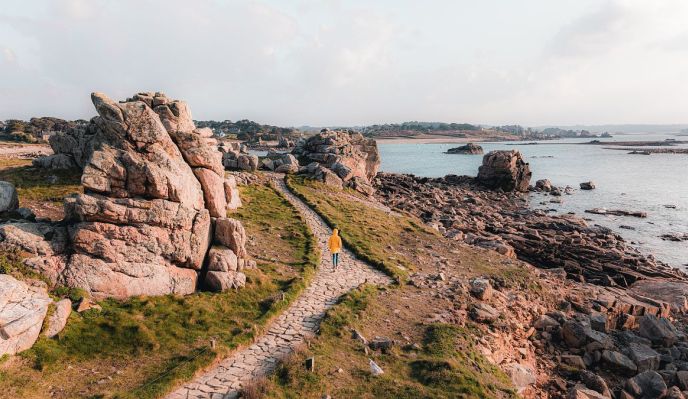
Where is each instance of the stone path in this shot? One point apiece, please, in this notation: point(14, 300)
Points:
point(291, 328)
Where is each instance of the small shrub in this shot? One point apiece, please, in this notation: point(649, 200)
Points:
point(256, 389)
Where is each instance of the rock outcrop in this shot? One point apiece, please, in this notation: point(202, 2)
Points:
point(352, 157)
point(505, 170)
point(469, 149)
point(281, 163)
point(153, 185)
point(235, 157)
point(22, 310)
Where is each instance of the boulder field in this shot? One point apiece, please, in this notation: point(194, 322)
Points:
point(341, 158)
point(154, 192)
point(461, 208)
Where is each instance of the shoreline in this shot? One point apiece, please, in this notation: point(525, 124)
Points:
point(435, 140)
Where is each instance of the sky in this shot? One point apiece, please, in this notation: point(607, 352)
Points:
point(353, 62)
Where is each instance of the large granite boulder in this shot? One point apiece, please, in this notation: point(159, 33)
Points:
point(232, 193)
point(9, 201)
point(352, 157)
point(231, 234)
point(141, 227)
point(22, 310)
point(322, 174)
point(504, 170)
point(152, 182)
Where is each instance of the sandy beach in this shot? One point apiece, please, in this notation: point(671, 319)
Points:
point(434, 139)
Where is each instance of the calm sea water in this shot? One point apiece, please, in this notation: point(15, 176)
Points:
point(629, 182)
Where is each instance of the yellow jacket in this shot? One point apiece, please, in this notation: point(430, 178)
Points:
point(335, 242)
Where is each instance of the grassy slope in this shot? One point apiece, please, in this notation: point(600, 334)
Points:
point(35, 188)
point(141, 347)
point(374, 235)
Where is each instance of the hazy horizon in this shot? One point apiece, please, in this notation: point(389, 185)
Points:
point(348, 63)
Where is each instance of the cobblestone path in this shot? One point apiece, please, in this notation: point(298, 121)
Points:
point(292, 327)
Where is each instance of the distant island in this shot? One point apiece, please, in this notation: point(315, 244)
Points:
point(469, 132)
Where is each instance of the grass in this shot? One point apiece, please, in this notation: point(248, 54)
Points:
point(40, 189)
point(142, 347)
point(11, 263)
point(445, 366)
point(378, 237)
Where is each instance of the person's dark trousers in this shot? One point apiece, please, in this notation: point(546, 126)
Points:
point(335, 259)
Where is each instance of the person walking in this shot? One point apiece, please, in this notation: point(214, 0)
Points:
point(334, 243)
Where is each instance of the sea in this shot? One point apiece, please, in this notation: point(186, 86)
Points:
point(656, 184)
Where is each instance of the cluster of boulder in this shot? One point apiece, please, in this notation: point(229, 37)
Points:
point(280, 162)
point(613, 343)
point(155, 200)
point(563, 338)
point(285, 142)
point(342, 158)
point(71, 148)
point(339, 158)
point(235, 156)
point(461, 209)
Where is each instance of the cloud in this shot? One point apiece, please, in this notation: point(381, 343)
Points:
point(353, 62)
point(616, 63)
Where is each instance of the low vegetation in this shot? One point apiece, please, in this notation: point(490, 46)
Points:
point(142, 347)
point(444, 365)
point(384, 239)
point(41, 190)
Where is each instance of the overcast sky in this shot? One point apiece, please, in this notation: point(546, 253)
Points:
point(348, 62)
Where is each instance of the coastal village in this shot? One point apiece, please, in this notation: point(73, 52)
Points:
point(145, 256)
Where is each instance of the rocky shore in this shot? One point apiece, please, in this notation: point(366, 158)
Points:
point(615, 329)
point(460, 208)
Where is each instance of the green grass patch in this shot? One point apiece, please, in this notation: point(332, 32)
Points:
point(11, 263)
point(372, 234)
point(40, 184)
point(147, 345)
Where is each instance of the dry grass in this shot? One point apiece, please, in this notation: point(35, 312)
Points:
point(444, 364)
point(383, 239)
